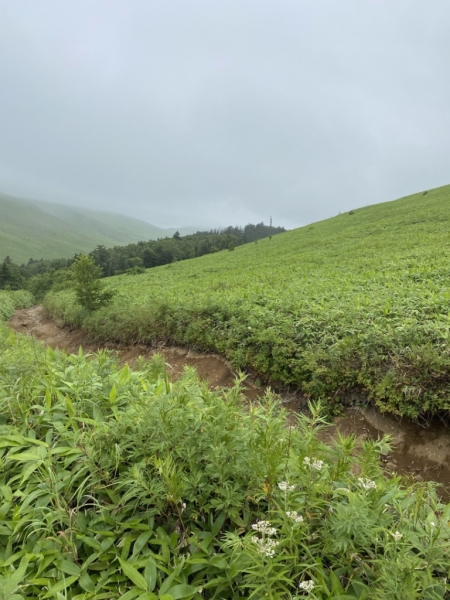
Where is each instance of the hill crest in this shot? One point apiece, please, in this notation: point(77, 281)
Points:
point(38, 229)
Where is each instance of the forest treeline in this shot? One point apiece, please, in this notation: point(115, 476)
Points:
point(40, 275)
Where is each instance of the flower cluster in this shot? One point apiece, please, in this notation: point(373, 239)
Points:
point(397, 536)
point(264, 528)
point(307, 586)
point(367, 484)
point(292, 514)
point(266, 546)
point(285, 487)
point(314, 463)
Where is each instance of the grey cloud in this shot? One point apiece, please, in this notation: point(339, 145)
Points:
point(211, 113)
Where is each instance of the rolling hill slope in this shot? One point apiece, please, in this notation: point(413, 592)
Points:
point(34, 229)
point(359, 302)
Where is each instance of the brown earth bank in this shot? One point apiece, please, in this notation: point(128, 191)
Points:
point(419, 451)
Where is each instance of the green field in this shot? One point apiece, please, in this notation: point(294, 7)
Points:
point(34, 229)
point(357, 302)
point(118, 484)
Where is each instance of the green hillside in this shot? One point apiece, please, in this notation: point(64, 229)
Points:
point(34, 229)
point(359, 302)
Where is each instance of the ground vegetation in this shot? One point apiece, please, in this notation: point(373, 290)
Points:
point(119, 484)
point(359, 302)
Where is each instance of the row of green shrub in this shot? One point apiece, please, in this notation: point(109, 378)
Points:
point(119, 484)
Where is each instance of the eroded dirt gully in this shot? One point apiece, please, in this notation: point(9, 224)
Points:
point(423, 452)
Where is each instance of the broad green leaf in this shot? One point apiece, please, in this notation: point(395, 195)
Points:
point(14, 557)
point(86, 582)
point(11, 582)
point(113, 394)
point(133, 574)
point(141, 541)
point(134, 593)
point(182, 591)
point(60, 586)
point(29, 471)
point(91, 542)
point(25, 457)
point(68, 567)
point(150, 573)
point(7, 492)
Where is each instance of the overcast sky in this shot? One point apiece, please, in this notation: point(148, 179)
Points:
point(217, 112)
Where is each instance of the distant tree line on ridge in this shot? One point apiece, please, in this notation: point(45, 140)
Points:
point(39, 276)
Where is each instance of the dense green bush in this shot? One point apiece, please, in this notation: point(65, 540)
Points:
point(11, 301)
point(55, 280)
point(119, 484)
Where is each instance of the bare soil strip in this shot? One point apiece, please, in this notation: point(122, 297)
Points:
point(421, 452)
point(210, 367)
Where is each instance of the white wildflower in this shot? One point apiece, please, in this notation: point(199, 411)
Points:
point(433, 524)
point(397, 536)
point(292, 514)
point(367, 484)
point(285, 487)
point(307, 585)
point(266, 546)
point(314, 463)
point(264, 528)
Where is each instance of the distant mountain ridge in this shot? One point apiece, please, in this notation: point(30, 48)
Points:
point(38, 229)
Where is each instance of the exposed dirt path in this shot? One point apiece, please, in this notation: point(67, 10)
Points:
point(210, 367)
point(421, 452)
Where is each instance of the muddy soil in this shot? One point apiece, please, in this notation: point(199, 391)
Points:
point(422, 452)
point(212, 368)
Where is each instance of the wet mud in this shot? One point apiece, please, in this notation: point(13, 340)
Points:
point(212, 368)
point(419, 451)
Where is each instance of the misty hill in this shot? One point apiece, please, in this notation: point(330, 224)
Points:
point(30, 228)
